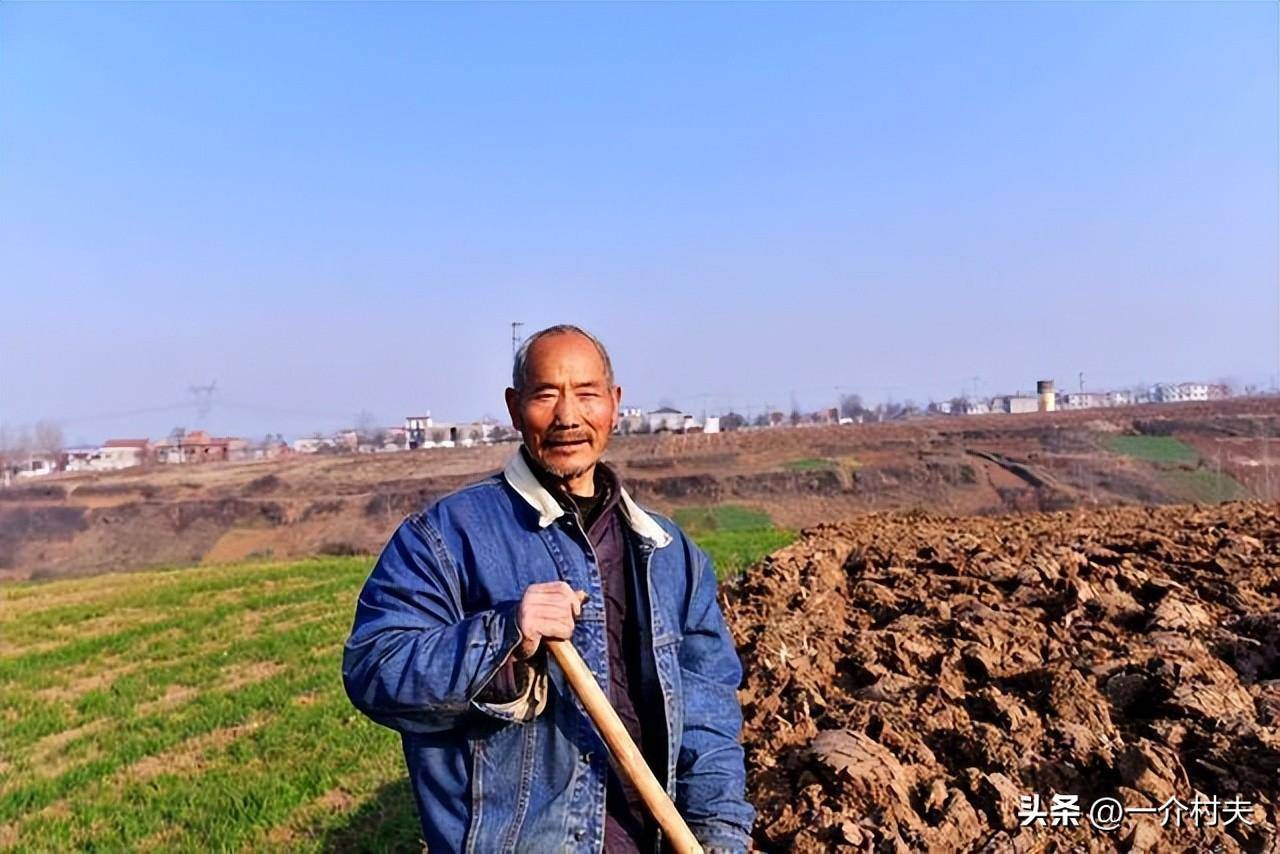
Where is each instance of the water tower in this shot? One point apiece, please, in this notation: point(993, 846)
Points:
point(1044, 390)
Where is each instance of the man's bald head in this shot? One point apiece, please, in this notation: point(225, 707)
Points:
point(520, 368)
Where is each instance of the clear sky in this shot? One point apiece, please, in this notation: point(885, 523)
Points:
point(333, 208)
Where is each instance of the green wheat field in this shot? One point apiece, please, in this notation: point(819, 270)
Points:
point(202, 709)
point(196, 709)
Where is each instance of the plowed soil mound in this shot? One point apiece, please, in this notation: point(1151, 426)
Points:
point(910, 677)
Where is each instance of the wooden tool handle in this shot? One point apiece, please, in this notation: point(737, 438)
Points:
point(626, 755)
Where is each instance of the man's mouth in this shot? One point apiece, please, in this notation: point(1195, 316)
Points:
point(566, 443)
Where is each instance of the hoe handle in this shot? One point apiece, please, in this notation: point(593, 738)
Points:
point(626, 756)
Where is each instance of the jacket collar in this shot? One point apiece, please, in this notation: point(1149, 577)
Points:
point(525, 483)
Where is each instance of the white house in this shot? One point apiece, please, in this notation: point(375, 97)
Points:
point(968, 406)
point(1118, 398)
point(311, 445)
point(1180, 392)
point(1082, 400)
point(36, 465)
point(1016, 404)
point(630, 420)
point(418, 429)
point(666, 419)
point(122, 453)
point(79, 459)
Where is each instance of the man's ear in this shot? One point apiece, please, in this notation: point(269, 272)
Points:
point(513, 407)
point(617, 405)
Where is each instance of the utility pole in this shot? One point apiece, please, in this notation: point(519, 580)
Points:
point(1266, 460)
point(515, 337)
point(204, 398)
point(1082, 382)
point(1218, 488)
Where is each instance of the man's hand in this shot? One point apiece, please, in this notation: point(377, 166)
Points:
point(547, 611)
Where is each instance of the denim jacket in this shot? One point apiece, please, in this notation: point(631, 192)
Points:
point(436, 620)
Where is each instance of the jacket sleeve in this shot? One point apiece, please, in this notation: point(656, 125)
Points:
point(414, 661)
point(710, 773)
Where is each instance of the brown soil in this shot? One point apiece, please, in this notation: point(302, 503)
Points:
point(908, 677)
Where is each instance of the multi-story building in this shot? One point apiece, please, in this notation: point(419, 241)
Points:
point(418, 429)
point(1179, 392)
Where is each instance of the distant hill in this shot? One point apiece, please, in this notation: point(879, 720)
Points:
point(988, 464)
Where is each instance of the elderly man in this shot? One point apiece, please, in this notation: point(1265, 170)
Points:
point(447, 642)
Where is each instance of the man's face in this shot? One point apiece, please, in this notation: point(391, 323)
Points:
point(566, 410)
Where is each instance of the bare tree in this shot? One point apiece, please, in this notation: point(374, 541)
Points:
point(367, 430)
point(23, 443)
point(7, 456)
point(851, 406)
point(47, 438)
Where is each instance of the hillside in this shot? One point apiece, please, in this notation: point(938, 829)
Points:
point(82, 524)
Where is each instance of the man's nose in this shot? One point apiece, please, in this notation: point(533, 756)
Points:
point(566, 412)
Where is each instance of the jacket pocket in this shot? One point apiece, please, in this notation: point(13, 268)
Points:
point(501, 782)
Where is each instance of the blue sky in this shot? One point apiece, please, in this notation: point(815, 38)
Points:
point(333, 208)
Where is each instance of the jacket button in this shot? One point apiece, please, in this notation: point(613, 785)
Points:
point(586, 758)
point(578, 834)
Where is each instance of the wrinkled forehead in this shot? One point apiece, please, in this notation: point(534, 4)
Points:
point(566, 359)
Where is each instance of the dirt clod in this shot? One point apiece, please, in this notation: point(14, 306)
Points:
point(910, 678)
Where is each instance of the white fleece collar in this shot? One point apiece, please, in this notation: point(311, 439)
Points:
point(526, 483)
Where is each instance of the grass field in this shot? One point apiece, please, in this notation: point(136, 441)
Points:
point(732, 535)
point(808, 464)
point(822, 463)
point(193, 709)
point(1204, 486)
point(1154, 449)
point(720, 518)
point(202, 709)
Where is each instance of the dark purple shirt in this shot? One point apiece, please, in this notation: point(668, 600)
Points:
point(628, 825)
